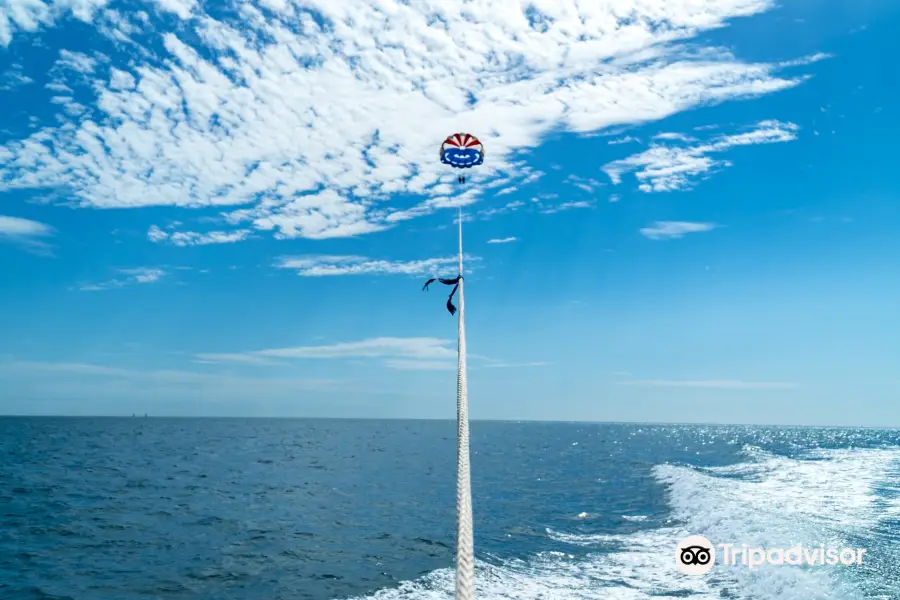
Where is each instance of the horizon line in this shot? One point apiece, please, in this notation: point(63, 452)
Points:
point(451, 419)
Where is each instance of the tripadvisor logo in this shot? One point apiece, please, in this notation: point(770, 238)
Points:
point(696, 555)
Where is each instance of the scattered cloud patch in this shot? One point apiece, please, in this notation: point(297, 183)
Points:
point(398, 353)
point(505, 240)
point(424, 353)
point(488, 213)
point(130, 277)
point(28, 16)
point(26, 233)
point(806, 60)
point(18, 227)
point(213, 118)
point(585, 184)
point(13, 78)
point(667, 230)
point(667, 168)
point(677, 137)
point(77, 62)
point(121, 80)
point(192, 238)
point(566, 206)
point(72, 378)
point(323, 265)
point(182, 8)
point(624, 140)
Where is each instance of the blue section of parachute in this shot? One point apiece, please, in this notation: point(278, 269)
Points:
point(462, 158)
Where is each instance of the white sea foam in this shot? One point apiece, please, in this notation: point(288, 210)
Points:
point(822, 498)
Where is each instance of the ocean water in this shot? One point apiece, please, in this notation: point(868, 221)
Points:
point(128, 508)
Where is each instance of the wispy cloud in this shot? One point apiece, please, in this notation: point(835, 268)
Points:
point(563, 206)
point(488, 213)
point(223, 100)
point(191, 238)
point(18, 227)
point(678, 137)
point(422, 353)
point(26, 233)
point(668, 168)
point(324, 265)
point(624, 140)
point(588, 184)
point(397, 353)
point(130, 277)
point(30, 15)
point(382, 347)
point(505, 240)
point(664, 230)
point(806, 60)
point(13, 78)
point(715, 384)
point(74, 377)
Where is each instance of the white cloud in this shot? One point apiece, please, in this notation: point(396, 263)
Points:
point(398, 353)
point(192, 238)
point(678, 137)
point(18, 227)
point(806, 60)
point(310, 127)
point(13, 78)
point(422, 354)
point(624, 140)
point(121, 80)
point(131, 276)
point(76, 61)
point(715, 384)
point(322, 265)
point(566, 206)
point(664, 230)
point(667, 168)
point(26, 233)
point(81, 379)
point(487, 213)
point(584, 184)
point(30, 15)
point(505, 240)
point(182, 8)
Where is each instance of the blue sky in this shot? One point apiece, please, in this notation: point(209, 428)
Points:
point(686, 213)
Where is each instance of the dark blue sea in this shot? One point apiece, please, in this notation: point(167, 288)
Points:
point(129, 508)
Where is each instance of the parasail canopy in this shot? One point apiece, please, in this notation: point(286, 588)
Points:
point(462, 151)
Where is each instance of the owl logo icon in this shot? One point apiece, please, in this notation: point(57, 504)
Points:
point(695, 555)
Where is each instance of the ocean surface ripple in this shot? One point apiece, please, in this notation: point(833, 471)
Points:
point(266, 509)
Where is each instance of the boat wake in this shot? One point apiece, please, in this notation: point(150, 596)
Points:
point(839, 498)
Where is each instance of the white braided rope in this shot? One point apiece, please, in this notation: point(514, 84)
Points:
point(465, 542)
